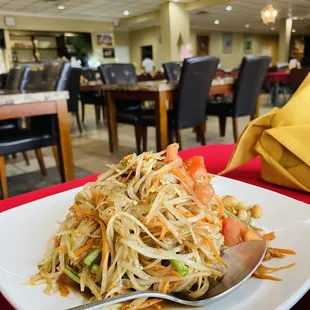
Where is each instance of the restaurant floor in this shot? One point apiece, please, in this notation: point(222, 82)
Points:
point(91, 150)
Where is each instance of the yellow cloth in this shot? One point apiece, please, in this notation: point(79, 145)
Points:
point(282, 140)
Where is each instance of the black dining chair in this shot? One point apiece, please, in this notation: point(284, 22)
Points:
point(21, 140)
point(42, 130)
point(172, 70)
point(127, 112)
point(17, 79)
point(73, 86)
point(246, 92)
point(191, 99)
point(94, 98)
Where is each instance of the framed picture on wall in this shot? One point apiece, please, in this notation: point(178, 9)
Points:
point(105, 39)
point(108, 53)
point(227, 43)
point(247, 44)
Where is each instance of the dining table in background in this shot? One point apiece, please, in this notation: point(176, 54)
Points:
point(44, 103)
point(160, 92)
point(276, 79)
point(216, 157)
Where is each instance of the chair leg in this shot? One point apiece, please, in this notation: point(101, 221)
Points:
point(14, 156)
point(56, 156)
point(252, 117)
point(196, 131)
point(97, 113)
point(202, 136)
point(179, 138)
point(3, 181)
point(104, 114)
point(171, 136)
point(26, 158)
point(235, 128)
point(78, 121)
point(138, 138)
point(144, 138)
point(83, 112)
point(222, 121)
point(41, 161)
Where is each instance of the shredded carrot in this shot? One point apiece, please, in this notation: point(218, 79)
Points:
point(63, 249)
point(75, 208)
point(83, 249)
point(270, 236)
point(285, 251)
point(57, 241)
point(263, 272)
point(153, 187)
point(95, 216)
point(173, 273)
point(63, 290)
point(156, 267)
point(208, 242)
point(163, 232)
point(186, 213)
point(149, 303)
point(165, 287)
point(220, 205)
point(179, 174)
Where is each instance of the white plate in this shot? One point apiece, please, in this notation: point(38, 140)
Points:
point(24, 232)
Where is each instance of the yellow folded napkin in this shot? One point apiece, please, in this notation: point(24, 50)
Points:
point(282, 140)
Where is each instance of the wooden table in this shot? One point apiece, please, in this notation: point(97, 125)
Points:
point(158, 91)
point(44, 103)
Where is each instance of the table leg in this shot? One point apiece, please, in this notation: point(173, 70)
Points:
point(112, 123)
point(276, 94)
point(161, 121)
point(65, 147)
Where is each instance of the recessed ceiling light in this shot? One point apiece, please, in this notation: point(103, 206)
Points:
point(126, 13)
point(60, 7)
point(247, 26)
point(228, 8)
point(216, 22)
point(293, 30)
point(272, 28)
point(295, 17)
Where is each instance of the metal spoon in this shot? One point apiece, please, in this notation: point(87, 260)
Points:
point(242, 260)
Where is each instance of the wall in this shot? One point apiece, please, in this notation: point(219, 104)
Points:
point(144, 37)
point(261, 43)
point(57, 24)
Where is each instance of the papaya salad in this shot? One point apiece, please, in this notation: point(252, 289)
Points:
point(151, 222)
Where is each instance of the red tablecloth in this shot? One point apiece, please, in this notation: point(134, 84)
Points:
point(216, 158)
point(279, 77)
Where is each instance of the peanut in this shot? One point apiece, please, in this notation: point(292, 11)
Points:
point(244, 206)
point(242, 215)
point(257, 211)
point(229, 201)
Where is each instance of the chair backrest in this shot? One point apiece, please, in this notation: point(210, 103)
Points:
point(249, 84)
point(73, 87)
point(3, 79)
point(118, 74)
point(56, 75)
point(17, 78)
point(89, 74)
point(297, 76)
point(192, 95)
point(35, 80)
point(172, 70)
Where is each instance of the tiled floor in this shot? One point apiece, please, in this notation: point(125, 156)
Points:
point(91, 151)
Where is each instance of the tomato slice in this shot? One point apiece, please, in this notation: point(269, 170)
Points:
point(235, 232)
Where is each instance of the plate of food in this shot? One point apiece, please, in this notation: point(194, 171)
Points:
point(152, 222)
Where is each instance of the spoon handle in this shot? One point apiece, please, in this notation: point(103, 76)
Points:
point(119, 299)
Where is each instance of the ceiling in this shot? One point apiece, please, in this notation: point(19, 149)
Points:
point(105, 10)
point(243, 12)
point(248, 12)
